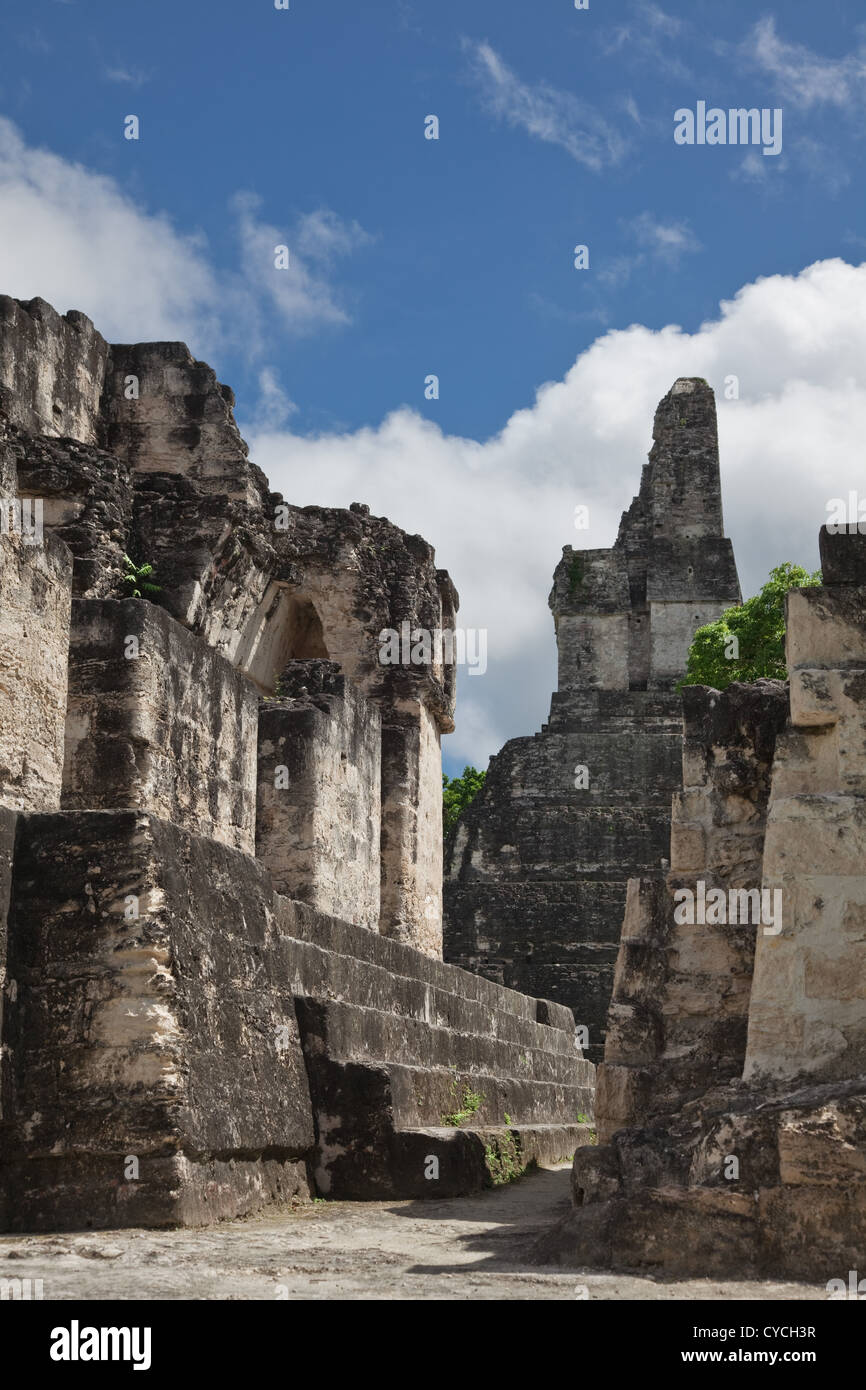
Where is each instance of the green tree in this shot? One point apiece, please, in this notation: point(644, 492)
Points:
point(457, 792)
point(748, 642)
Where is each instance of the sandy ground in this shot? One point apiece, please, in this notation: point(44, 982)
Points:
point(470, 1247)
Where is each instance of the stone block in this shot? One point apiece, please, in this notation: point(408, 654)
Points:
point(151, 1021)
point(158, 721)
point(319, 793)
point(35, 599)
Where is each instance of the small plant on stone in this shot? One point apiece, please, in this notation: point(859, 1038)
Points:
point(507, 1121)
point(469, 1106)
point(582, 1119)
point(137, 580)
point(503, 1160)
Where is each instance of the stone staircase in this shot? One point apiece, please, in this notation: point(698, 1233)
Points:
point(426, 1080)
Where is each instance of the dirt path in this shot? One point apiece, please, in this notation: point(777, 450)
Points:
point(470, 1247)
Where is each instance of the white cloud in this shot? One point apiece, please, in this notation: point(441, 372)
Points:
point(803, 77)
point(555, 117)
point(646, 40)
point(755, 169)
point(302, 296)
point(657, 19)
point(130, 77)
point(658, 242)
point(75, 238)
point(274, 407)
point(500, 511)
point(667, 241)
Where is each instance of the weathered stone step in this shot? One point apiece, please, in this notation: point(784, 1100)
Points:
point(302, 923)
point(352, 1033)
point(444, 1162)
point(319, 973)
point(422, 1097)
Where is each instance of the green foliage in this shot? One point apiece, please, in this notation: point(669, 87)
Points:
point(470, 1104)
point(504, 1162)
point(457, 792)
point(753, 635)
point(138, 580)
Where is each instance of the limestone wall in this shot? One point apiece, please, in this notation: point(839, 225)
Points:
point(164, 412)
point(51, 370)
point(35, 599)
point(318, 815)
point(680, 1001)
point(732, 1098)
point(242, 1048)
point(134, 451)
point(808, 1011)
point(158, 721)
point(153, 1021)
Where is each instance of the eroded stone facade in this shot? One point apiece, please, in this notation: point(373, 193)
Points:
point(732, 1098)
point(221, 982)
point(536, 871)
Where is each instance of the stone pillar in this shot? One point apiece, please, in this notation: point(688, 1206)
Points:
point(678, 1015)
point(412, 831)
point(35, 602)
point(318, 811)
point(808, 1011)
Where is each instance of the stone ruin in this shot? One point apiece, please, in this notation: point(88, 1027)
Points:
point(221, 830)
point(536, 872)
point(221, 974)
point(731, 1102)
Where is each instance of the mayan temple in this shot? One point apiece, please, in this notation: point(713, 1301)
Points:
point(221, 974)
point(222, 983)
point(536, 874)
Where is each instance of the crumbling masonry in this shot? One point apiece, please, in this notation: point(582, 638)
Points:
point(536, 873)
point(732, 1098)
point(220, 830)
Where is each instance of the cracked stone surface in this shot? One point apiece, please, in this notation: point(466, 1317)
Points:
point(463, 1247)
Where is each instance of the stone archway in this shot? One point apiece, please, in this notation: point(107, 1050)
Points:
point(286, 627)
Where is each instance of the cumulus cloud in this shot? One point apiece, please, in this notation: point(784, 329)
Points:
point(555, 117)
point(75, 238)
point(500, 511)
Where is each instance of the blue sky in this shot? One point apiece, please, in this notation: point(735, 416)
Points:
point(455, 257)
